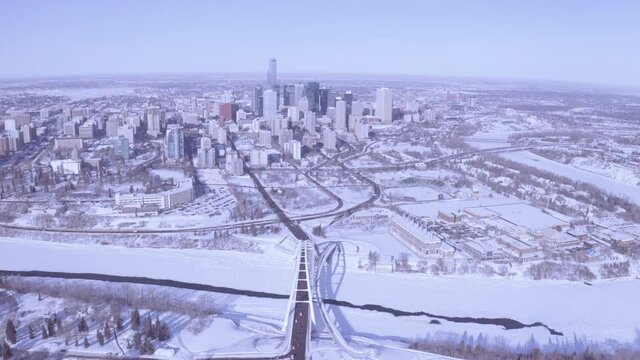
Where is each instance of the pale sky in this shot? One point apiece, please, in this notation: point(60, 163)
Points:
point(575, 40)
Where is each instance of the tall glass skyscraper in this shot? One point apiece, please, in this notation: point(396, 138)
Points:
point(174, 142)
point(272, 73)
point(313, 96)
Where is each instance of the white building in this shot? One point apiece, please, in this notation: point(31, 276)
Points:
point(303, 104)
point(298, 91)
point(340, 124)
point(429, 115)
point(310, 121)
point(70, 128)
point(384, 105)
point(269, 104)
point(112, 127)
point(329, 139)
point(222, 136)
point(66, 166)
point(361, 130)
point(86, 130)
point(179, 195)
point(127, 131)
point(294, 148)
point(293, 113)
point(264, 137)
point(155, 118)
point(357, 108)
point(259, 158)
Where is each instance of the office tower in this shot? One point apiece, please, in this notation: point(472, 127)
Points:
point(294, 148)
point(298, 92)
point(471, 102)
point(288, 95)
point(310, 122)
point(155, 118)
point(275, 125)
point(112, 127)
point(303, 104)
point(293, 113)
point(222, 136)
point(357, 107)
point(270, 104)
point(348, 97)
point(127, 131)
point(28, 133)
point(10, 125)
point(227, 112)
point(86, 130)
point(361, 130)
point(329, 139)
point(313, 95)
point(272, 76)
point(324, 100)
point(429, 115)
point(174, 142)
point(264, 137)
point(257, 100)
point(205, 154)
point(71, 128)
point(341, 115)
point(384, 104)
point(285, 135)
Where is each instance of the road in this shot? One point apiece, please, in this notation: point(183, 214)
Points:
point(302, 308)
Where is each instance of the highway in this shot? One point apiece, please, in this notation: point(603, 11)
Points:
point(300, 331)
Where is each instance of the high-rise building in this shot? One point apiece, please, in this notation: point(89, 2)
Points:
point(272, 73)
point(429, 115)
point(128, 132)
point(293, 113)
point(257, 100)
point(294, 148)
point(86, 130)
point(222, 136)
point(303, 104)
point(361, 130)
point(264, 137)
point(384, 105)
point(270, 104)
point(155, 119)
point(112, 127)
point(348, 97)
point(341, 115)
point(310, 122)
point(313, 95)
point(285, 136)
point(329, 139)
point(227, 112)
point(174, 142)
point(205, 154)
point(288, 95)
point(357, 107)
point(324, 100)
point(298, 90)
point(71, 128)
point(28, 133)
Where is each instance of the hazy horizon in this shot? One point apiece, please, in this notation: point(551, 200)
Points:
point(576, 41)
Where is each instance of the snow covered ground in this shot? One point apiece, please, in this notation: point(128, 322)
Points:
point(606, 310)
point(604, 183)
point(270, 272)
